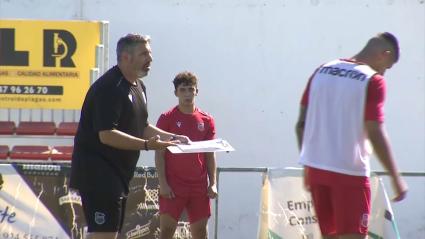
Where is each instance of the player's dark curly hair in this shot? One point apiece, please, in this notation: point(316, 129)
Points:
point(185, 78)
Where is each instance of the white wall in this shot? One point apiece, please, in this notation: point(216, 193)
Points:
point(253, 58)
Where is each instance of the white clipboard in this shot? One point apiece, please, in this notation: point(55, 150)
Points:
point(215, 145)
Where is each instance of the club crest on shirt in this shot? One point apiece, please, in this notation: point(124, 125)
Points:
point(364, 220)
point(179, 124)
point(201, 126)
point(99, 218)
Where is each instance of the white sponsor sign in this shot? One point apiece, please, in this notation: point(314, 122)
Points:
point(287, 210)
point(22, 214)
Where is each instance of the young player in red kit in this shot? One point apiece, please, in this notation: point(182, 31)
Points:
point(187, 181)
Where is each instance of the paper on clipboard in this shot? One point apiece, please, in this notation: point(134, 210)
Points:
point(215, 145)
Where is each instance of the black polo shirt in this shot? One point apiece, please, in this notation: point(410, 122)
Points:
point(111, 103)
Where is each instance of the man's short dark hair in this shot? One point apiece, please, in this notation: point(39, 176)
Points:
point(392, 40)
point(128, 42)
point(185, 78)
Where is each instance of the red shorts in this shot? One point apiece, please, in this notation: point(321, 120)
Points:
point(197, 206)
point(342, 202)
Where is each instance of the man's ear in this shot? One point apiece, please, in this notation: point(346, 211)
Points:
point(388, 53)
point(392, 55)
point(125, 56)
point(197, 91)
point(381, 57)
point(175, 92)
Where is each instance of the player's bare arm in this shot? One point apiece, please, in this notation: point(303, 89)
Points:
point(212, 178)
point(164, 188)
point(299, 130)
point(299, 127)
point(379, 140)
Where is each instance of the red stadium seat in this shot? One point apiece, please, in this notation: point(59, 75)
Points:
point(67, 128)
point(36, 128)
point(61, 152)
point(30, 152)
point(4, 151)
point(7, 127)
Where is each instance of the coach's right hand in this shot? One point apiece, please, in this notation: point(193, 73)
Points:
point(155, 143)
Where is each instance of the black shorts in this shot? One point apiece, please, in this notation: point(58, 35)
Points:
point(104, 212)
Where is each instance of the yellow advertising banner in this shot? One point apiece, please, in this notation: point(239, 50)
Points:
point(46, 64)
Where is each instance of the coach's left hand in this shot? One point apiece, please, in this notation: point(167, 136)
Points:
point(180, 139)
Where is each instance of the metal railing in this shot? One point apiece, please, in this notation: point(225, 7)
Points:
point(264, 170)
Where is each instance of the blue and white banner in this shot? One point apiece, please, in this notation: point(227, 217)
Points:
point(35, 203)
point(25, 196)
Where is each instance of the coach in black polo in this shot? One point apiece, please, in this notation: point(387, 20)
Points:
point(113, 129)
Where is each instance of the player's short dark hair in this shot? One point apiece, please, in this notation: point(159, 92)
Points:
point(129, 41)
point(392, 40)
point(185, 78)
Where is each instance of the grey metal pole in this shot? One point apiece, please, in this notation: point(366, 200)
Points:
point(216, 205)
